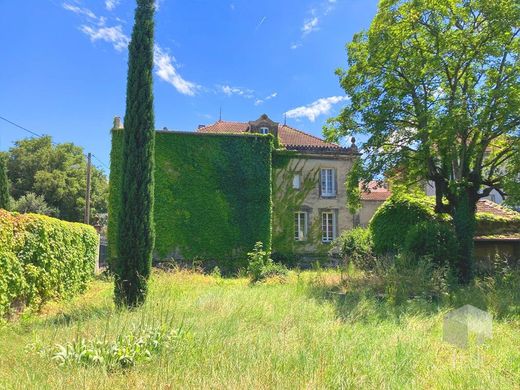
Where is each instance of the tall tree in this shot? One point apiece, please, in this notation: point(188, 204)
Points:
point(56, 173)
point(435, 87)
point(4, 184)
point(136, 228)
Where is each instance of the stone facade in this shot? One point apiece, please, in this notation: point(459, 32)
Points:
point(302, 176)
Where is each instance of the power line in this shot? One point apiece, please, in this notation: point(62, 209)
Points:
point(21, 127)
point(101, 162)
point(41, 136)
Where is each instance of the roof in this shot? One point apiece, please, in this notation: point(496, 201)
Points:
point(380, 193)
point(376, 192)
point(290, 138)
point(487, 206)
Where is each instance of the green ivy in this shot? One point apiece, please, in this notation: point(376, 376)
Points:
point(287, 200)
point(212, 195)
point(43, 258)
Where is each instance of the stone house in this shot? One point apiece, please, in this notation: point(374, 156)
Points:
point(309, 197)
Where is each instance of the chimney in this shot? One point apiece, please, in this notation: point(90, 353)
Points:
point(117, 123)
point(201, 126)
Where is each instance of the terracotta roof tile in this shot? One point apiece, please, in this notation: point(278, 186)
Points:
point(487, 206)
point(375, 192)
point(291, 138)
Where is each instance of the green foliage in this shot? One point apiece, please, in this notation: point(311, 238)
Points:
point(356, 246)
point(352, 187)
point(262, 267)
point(5, 200)
point(434, 240)
point(43, 258)
point(136, 233)
point(32, 203)
point(287, 200)
point(114, 195)
point(392, 221)
point(57, 173)
point(126, 351)
point(212, 196)
point(494, 225)
point(435, 85)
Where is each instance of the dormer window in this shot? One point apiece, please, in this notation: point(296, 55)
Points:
point(264, 130)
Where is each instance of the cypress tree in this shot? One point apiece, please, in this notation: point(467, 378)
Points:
point(4, 185)
point(136, 235)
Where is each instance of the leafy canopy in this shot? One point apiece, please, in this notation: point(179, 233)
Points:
point(56, 173)
point(434, 84)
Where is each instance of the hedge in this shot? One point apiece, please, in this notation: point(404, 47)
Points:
point(401, 212)
point(212, 196)
point(43, 258)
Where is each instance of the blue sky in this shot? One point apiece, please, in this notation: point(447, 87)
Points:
point(64, 63)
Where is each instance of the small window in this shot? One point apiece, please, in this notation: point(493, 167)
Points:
point(297, 182)
point(328, 227)
point(300, 226)
point(264, 130)
point(328, 182)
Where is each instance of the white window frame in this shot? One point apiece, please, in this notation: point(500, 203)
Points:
point(328, 226)
point(328, 182)
point(264, 130)
point(297, 182)
point(300, 227)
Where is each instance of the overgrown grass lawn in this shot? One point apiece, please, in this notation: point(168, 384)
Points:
point(237, 336)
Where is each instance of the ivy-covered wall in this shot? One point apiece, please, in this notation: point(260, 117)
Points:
point(212, 196)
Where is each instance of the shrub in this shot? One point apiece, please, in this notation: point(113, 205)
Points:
point(32, 203)
point(356, 246)
point(261, 266)
point(434, 240)
point(392, 221)
point(43, 258)
point(124, 352)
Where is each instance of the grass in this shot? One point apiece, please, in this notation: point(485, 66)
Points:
point(293, 335)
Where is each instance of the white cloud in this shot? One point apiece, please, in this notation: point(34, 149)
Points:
point(111, 4)
point(113, 35)
point(261, 101)
point(312, 22)
point(310, 25)
point(262, 21)
point(79, 10)
point(97, 30)
point(239, 91)
point(165, 69)
point(316, 108)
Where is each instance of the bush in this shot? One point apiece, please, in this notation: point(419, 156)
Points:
point(32, 203)
point(356, 246)
point(392, 221)
point(261, 266)
point(434, 240)
point(43, 258)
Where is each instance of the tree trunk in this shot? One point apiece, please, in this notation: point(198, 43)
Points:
point(464, 221)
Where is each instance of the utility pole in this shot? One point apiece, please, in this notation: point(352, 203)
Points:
point(87, 195)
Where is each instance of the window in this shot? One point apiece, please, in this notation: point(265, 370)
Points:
point(297, 182)
point(264, 130)
point(328, 226)
point(328, 182)
point(300, 226)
